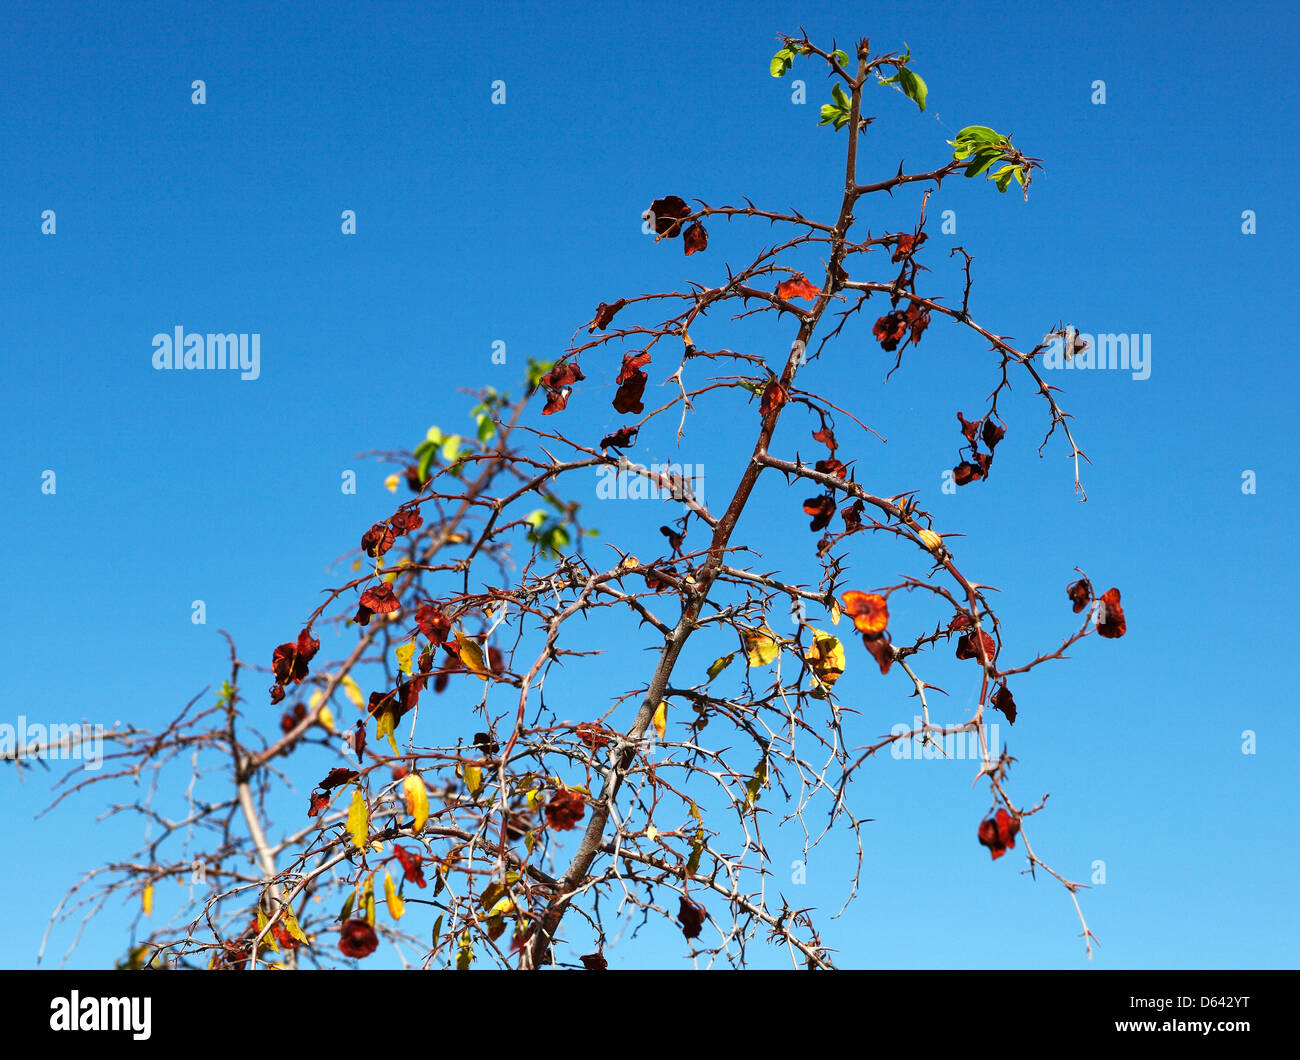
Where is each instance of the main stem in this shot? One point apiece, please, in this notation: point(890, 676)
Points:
point(536, 950)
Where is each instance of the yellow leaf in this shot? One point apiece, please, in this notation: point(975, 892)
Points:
point(931, 540)
point(385, 726)
point(146, 899)
point(357, 819)
point(473, 779)
point(826, 657)
point(314, 699)
point(761, 646)
point(396, 907)
point(533, 798)
point(327, 718)
point(404, 654)
point(835, 612)
point(353, 690)
point(652, 833)
point(268, 942)
point(390, 483)
point(417, 798)
point(292, 926)
point(465, 953)
point(502, 905)
point(471, 655)
point(660, 719)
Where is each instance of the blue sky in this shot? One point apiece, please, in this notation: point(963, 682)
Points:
point(479, 224)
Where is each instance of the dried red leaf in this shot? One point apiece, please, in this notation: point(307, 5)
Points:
point(378, 539)
point(556, 401)
point(357, 938)
point(289, 662)
point(982, 463)
point(831, 467)
point(773, 398)
point(594, 962)
point(1080, 594)
point(593, 734)
point(906, 245)
point(853, 514)
point(632, 362)
point(406, 521)
point(318, 801)
point(966, 647)
point(410, 862)
point(359, 741)
point(628, 398)
point(413, 481)
point(668, 214)
point(691, 917)
point(605, 314)
point(378, 599)
point(696, 239)
point(621, 438)
point(565, 810)
point(562, 375)
point(433, 624)
point(918, 319)
point(869, 611)
point(798, 286)
point(890, 330)
point(998, 833)
point(881, 649)
point(968, 427)
point(674, 537)
point(1002, 701)
point(290, 718)
point(822, 510)
point(1110, 616)
point(307, 646)
point(966, 472)
point(960, 620)
point(993, 434)
point(277, 694)
point(827, 437)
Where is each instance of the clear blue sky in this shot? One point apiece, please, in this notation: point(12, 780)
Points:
point(481, 223)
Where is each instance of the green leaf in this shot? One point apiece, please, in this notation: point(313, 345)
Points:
point(1019, 173)
point(1002, 177)
point(718, 665)
point(913, 87)
point(486, 428)
point(980, 133)
point(537, 369)
point(841, 57)
point(982, 160)
point(451, 448)
point(434, 435)
point(782, 62)
point(830, 115)
point(536, 518)
point(841, 97)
